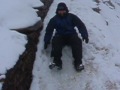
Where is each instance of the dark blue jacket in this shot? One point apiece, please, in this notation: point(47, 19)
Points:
point(65, 26)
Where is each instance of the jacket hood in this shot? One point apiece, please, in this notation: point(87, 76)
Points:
point(62, 6)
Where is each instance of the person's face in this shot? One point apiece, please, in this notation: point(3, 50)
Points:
point(62, 12)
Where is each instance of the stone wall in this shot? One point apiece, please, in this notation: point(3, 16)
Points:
point(20, 76)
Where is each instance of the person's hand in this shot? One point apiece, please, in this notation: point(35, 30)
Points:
point(85, 39)
point(46, 45)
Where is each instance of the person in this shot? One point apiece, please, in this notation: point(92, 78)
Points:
point(64, 24)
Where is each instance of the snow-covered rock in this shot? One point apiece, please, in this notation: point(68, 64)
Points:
point(12, 44)
point(34, 3)
point(15, 14)
point(19, 14)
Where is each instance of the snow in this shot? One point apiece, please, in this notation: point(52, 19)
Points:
point(12, 44)
point(14, 14)
point(34, 3)
point(100, 56)
point(18, 14)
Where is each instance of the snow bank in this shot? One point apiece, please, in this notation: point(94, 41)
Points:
point(14, 14)
point(18, 14)
point(12, 44)
point(34, 3)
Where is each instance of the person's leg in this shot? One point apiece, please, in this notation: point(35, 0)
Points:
point(76, 45)
point(57, 45)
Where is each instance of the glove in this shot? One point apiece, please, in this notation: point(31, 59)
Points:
point(46, 45)
point(85, 39)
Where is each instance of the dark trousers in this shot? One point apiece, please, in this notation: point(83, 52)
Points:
point(58, 42)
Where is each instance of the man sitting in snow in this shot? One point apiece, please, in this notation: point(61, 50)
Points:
point(64, 23)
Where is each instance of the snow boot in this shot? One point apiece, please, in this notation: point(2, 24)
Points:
point(53, 65)
point(79, 68)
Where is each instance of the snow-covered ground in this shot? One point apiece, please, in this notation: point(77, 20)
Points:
point(14, 14)
point(100, 56)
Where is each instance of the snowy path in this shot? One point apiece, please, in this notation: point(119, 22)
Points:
point(100, 56)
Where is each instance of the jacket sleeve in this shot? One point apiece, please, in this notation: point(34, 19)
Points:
point(49, 31)
point(81, 26)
